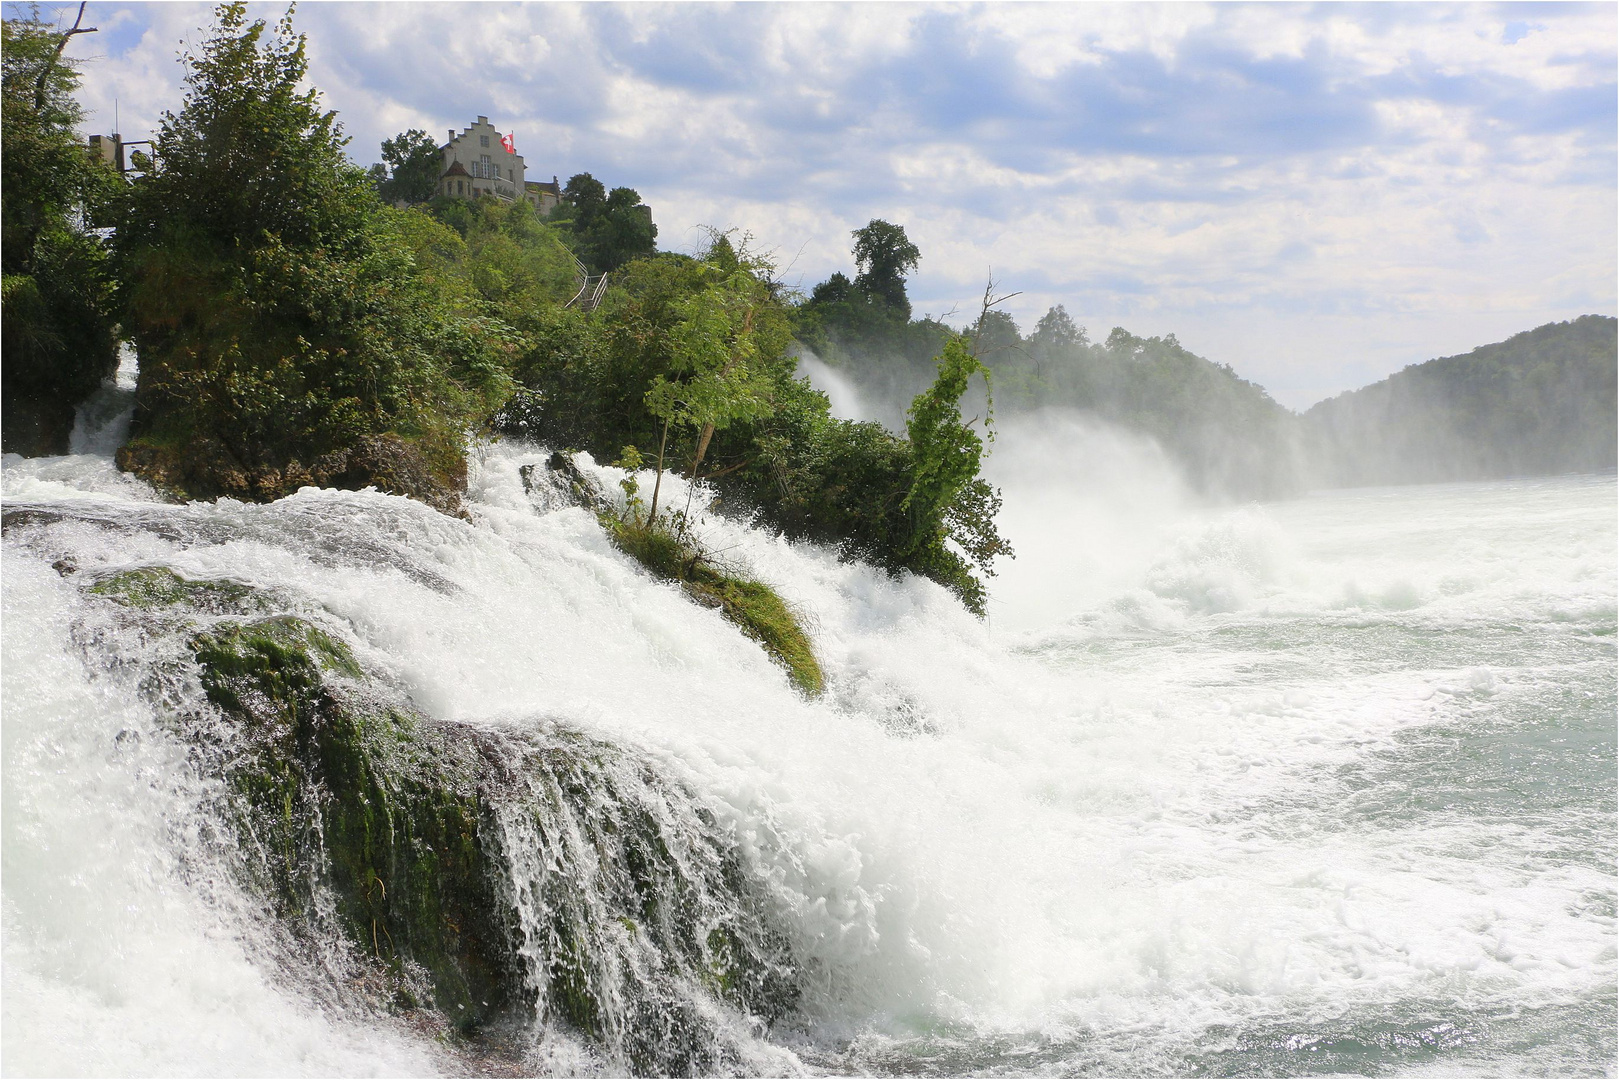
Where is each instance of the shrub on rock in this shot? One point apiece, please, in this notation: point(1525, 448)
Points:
point(287, 331)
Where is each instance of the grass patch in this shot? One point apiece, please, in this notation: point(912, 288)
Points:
point(755, 608)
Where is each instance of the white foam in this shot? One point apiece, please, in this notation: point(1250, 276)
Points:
point(1134, 818)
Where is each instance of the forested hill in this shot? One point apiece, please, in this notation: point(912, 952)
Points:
point(1541, 402)
point(1227, 434)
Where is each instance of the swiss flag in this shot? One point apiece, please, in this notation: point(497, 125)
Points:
point(509, 142)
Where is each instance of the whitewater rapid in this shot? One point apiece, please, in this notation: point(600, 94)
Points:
point(1327, 782)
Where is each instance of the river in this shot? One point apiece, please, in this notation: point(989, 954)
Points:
point(1319, 785)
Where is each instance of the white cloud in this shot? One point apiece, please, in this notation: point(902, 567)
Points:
point(1315, 195)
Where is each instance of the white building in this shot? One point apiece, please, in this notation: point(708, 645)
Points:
point(476, 162)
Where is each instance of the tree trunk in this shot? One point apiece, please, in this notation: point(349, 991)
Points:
point(702, 448)
point(657, 484)
point(56, 58)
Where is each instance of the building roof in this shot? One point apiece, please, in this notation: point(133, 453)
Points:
point(455, 169)
point(544, 185)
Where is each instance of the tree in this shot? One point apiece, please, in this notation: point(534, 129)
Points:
point(623, 231)
point(883, 256)
point(948, 500)
point(612, 227)
point(56, 340)
point(994, 333)
point(715, 359)
point(415, 165)
point(587, 194)
point(288, 333)
point(834, 290)
point(1056, 331)
point(250, 155)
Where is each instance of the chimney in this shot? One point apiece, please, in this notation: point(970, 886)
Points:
point(452, 134)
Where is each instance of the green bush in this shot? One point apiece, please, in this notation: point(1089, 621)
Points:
point(291, 329)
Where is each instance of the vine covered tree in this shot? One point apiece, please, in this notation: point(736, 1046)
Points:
point(948, 499)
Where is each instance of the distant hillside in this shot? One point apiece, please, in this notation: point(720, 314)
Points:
point(1225, 432)
point(1541, 402)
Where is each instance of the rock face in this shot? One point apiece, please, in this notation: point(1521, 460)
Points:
point(36, 427)
point(504, 877)
point(205, 468)
point(563, 482)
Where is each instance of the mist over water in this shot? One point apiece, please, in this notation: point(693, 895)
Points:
point(1316, 785)
point(845, 398)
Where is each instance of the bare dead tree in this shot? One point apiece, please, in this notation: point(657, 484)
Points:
point(990, 301)
point(56, 57)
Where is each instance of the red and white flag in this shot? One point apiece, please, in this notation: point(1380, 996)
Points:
point(509, 142)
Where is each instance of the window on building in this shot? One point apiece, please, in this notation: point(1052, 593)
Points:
point(483, 140)
point(460, 187)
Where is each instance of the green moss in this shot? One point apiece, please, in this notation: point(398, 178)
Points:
point(282, 659)
point(754, 607)
point(374, 802)
point(765, 616)
point(402, 832)
point(159, 587)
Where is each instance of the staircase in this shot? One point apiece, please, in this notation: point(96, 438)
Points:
point(591, 289)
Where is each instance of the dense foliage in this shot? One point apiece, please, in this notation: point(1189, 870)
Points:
point(291, 329)
point(57, 339)
point(1228, 435)
point(610, 228)
point(1542, 401)
point(412, 170)
point(692, 357)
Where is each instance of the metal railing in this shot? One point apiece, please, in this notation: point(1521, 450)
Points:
point(590, 292)
point(596, 297)
point(582, 276)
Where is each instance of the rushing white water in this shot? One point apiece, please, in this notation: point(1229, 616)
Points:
point(842, 395)
point(1325, 784)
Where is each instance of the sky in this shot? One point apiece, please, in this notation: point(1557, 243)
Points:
point(1316, 195)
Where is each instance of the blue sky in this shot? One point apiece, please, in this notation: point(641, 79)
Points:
point(1316, 195)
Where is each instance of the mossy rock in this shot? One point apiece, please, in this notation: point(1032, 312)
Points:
point(151, 587)
point(754, 607)
point(389, 798)
point(499, 876)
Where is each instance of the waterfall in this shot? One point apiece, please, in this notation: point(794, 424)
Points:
point(341, 785)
